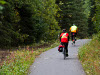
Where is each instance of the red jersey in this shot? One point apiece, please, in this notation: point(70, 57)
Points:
point(64, 37)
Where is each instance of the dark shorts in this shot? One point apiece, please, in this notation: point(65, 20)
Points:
point(73, 35)
point(66, 46)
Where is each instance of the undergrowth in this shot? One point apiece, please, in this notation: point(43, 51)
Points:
point(19, 61)
point(89, 56)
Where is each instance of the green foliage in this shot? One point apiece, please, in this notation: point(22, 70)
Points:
point(28, 21)
point(2, 2)
point(92, 11)
point(91, 26)
point(86, 7)
point(25, 22)
point(97, 36)
point(18, 63)
point(73, 12)
point(89, 56)
point(96, 18)
point(1, 8)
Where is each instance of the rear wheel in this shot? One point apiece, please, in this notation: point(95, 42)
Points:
point(73, 39)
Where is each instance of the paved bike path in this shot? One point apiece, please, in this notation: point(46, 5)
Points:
point(52, 62)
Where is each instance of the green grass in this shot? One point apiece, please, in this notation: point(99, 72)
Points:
point(19, 61)
point(89, 56)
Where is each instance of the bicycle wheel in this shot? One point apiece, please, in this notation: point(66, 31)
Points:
point(74, 40)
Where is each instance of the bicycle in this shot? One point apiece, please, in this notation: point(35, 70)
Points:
point(73, 39)
point(64, 51)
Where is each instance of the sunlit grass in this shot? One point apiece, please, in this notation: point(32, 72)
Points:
point(19, 61)
point(89, 56)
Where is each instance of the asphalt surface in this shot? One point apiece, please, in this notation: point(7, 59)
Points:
point(52, 62)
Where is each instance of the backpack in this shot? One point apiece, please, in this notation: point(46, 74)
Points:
point(60, 48)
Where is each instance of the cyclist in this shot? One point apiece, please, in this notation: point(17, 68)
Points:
point(64, 38)
point(73, 29)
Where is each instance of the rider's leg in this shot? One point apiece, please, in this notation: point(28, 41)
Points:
point(75, 36)
point(72, 36)
point(72, 39)
point(66, 48)
point(62, 43)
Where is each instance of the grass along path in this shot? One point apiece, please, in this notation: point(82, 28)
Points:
point(89, 56)
point(19, 61)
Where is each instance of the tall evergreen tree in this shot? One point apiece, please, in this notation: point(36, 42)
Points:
point(91, 26)
point(96, 18)
point(72, 12)
point(28, 21)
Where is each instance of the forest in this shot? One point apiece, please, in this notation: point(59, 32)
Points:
point(24, 22)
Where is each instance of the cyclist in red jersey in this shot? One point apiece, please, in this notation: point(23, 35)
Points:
point(64, 38)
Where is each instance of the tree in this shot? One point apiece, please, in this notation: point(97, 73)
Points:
point(28, 21)
point(96, 18)
point(72, 12)
point(91, 26)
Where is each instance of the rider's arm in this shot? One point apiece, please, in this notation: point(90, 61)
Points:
point(77, 30)
point(60, 37)
point(70, 29)
point(68, 38)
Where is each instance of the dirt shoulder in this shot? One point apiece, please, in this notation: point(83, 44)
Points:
point(7, 52)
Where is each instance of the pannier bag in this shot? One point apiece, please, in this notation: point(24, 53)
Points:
point(60, 48)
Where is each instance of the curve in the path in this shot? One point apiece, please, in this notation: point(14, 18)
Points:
point(51, 62)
